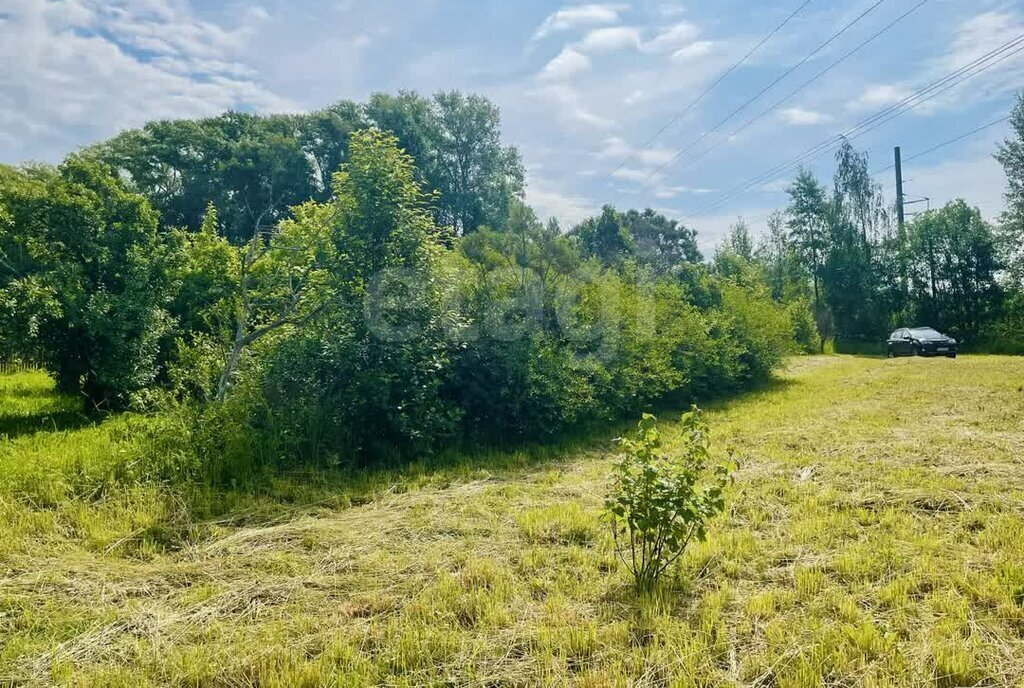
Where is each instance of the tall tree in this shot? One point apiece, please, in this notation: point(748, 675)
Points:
point(251, 167)
point(455, 141)
point(856, 217)
point(954, 269)
point(81, 270)
point(660, 242)
point(808, 226)
point(740, 241)
point(787, 279)
point(1011, 156)
point(604, 237)
point(476, 174)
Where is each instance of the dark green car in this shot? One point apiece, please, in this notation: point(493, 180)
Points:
point(920, 341)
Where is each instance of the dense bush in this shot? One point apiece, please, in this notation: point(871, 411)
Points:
point(83, 279)
point(353, 329)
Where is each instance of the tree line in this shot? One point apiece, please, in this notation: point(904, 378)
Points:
point(366, 283)
point(947, 268)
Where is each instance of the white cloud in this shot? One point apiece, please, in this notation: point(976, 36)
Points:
point(669, 9)
point(973, 38)
point(802, 117)
point(656, 156)
point(633, 175)
point(567, 64)
point(610, 38)
point(568, 208)
point(979, 35)
point(693, 51)
point(672, 38)
point(976, 37)
point(636, 97)
point(879, 95)
point(571, 107)
point(617, 148)
point(578, 16)
point(83, 69)
point(666, 192)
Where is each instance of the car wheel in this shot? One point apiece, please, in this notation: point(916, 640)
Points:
point(889, 353)
point(915, 351)
point(951, 355)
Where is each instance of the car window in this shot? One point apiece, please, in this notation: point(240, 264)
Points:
point(896, 334)
point(926, 332)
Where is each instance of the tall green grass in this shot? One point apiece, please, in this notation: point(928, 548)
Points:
point(872, 539)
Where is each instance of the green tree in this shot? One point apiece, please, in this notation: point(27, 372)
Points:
point(605, 237)
point(787, 279)
point(368, 365)
point(285, 279)
point(204, 272)
point(455, 142)
point(855, 218)
point(83, 270)
point(253, 168)
point(808, 226)
point(740, 241)
point(659, 242)
point(1011, 156)
point(954, 269)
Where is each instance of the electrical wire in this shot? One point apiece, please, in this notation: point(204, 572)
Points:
point(767, 88)
point(944, 144)
point(804, 85)
point(929, 92)
point(710, 88)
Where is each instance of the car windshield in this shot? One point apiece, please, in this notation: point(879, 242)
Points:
point(925, 332)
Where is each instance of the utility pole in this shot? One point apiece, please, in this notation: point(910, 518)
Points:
point(900, 219)
point(899, 195)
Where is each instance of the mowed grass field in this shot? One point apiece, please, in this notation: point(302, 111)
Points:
point(874, 537)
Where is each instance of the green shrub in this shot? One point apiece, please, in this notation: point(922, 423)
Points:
point(84, 280)
point(659, 503)
point(760, 329)
point(1006, 335)
point(528, 388)
point(805, 330)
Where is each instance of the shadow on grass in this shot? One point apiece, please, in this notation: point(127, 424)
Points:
point(187, 511)
point(302, 490)
point(14, 426)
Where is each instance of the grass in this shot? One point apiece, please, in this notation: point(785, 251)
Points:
point(873, 538)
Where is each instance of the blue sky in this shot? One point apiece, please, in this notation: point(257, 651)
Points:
point(582, 86)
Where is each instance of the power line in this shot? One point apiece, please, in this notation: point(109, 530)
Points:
point(767, 88)
point(946, 143)
point(889, 113)
point(929, 92)
point(710, 88)
point(804, 85)
point(879, 118)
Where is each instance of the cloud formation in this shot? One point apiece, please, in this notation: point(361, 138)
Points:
point(798, 116)
point(87, 68)
point(565, 65)
point(611, 38)
point(578, 16)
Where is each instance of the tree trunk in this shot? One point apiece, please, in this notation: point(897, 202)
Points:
point(232, 361)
